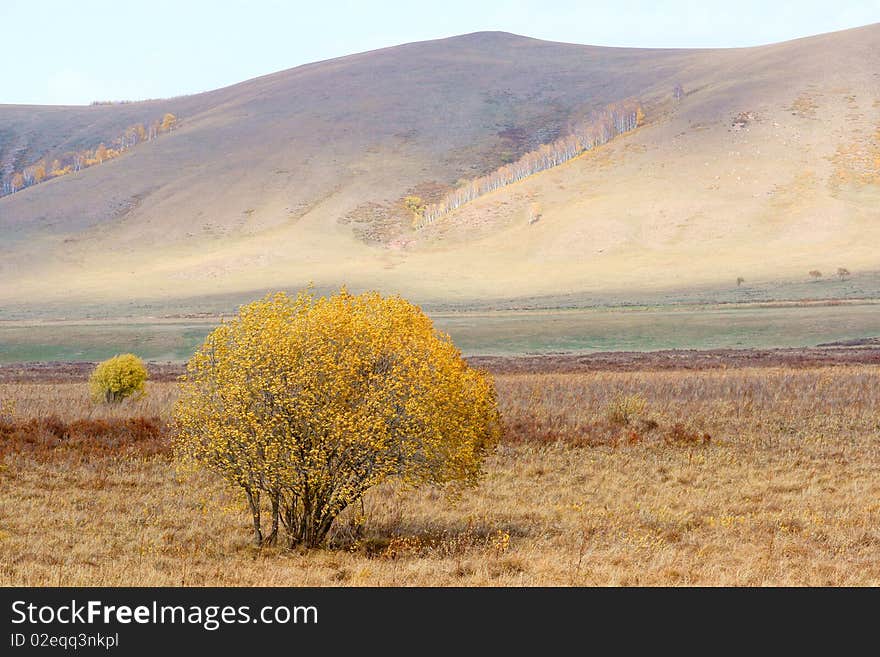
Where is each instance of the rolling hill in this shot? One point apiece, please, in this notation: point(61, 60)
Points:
point(767, 167)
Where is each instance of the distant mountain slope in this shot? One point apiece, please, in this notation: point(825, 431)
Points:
point(763, 170)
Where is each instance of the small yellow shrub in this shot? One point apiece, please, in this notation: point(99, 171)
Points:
point(117, 378)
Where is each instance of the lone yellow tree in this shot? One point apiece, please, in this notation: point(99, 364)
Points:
point(307, 403)
point(169, 121)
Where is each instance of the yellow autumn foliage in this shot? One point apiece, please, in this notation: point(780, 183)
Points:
point(117, 378)
point(307, 403)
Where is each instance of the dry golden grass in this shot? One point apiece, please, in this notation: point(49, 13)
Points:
point(764, 476)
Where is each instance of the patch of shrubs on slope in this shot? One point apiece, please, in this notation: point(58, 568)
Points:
point(47, 167)
point(600, 128)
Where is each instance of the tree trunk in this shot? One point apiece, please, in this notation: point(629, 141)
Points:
point(254, 502)
point(273, 534)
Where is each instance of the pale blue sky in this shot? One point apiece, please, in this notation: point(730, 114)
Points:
point(76, 51)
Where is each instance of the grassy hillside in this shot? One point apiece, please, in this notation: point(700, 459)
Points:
point(766, 169)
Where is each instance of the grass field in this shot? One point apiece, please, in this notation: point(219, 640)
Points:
point(729, 475)
point(490, 333)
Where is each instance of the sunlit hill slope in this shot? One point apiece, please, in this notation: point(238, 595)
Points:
point(764, 166)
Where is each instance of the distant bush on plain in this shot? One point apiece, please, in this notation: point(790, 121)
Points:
point(117, 378)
